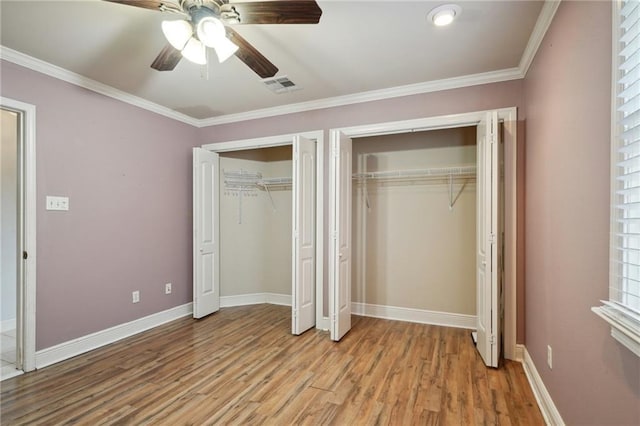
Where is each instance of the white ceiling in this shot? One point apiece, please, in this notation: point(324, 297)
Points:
point(358, 46)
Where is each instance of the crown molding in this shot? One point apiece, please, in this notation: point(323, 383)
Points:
point(373, 95)
point(542, 24)
point(55, 71)
point(547, 13)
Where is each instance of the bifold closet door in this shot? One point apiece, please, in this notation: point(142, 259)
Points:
point(340, 244)
point(206, 235)
point(303, 308)
point(488, 240)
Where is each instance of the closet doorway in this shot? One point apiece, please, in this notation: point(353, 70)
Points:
point(481, 268)
point(255, 215)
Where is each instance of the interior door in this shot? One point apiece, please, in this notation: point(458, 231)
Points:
point(340, 245)
point(488, 240)
point(206, 244)
point(303, 309)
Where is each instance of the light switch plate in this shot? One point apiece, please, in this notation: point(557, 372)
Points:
point(57, 203)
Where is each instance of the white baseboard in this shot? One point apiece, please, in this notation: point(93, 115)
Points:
point(8, 324)
point(92, 341)
point(254, 299)
point(9, 371)
point(414, 315)
point(549, 411)
point(279, 299)
point(519, 353)
point(323, 324)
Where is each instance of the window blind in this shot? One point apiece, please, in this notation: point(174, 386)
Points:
point(625, 282)
point(622, 310)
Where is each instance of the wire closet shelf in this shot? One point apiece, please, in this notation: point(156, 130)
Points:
point(466, 174)
point(243, 183)
point(435, 173)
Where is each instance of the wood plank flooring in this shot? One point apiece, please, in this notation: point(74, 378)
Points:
point(242, 366)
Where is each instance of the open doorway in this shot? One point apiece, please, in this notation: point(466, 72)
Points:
point(414, 226)
point(17, 235)
point(255, 226)
point(488, 213)
point(283, 173)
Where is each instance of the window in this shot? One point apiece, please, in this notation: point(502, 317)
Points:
point(622, 310)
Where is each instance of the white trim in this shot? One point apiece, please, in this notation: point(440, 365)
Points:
point(624, 338)
point(373, 95)
point(9, 371)
point(537, 35)
point(547, 407)
point(510, 218)
point(101, 338)
point(55, 71)
point(509, 117)
point(415, 125)
point(624, 332)
point(26, 324)
point(255, 299)
point(519, 354)
point(320, 234)
point(542, 24)
point(323, 323)
point(421, 316)
point(7, 325)
point(279, 299)
point(263, 142)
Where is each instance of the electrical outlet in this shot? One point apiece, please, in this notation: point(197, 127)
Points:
point(549, 356)
point(135, 296)
point(167, 288)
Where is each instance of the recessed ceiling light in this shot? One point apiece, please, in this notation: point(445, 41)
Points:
point(444, 15)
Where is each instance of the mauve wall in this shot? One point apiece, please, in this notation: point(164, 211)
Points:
point(594, 379)
point(127, 172)
point(468, 99)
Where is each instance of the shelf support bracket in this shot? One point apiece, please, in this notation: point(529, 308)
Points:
point(452, 199)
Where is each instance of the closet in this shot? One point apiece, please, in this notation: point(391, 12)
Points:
point(255, 223)
point(254, 226)
point(402, 237)
point(414, 224)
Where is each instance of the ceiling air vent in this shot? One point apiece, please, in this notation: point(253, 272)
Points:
point(280, 84)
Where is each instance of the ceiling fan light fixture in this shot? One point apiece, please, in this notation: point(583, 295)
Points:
point(225, 48)
point(195, 51)
point(444, 15)
point(210, 30)
point(177, 33)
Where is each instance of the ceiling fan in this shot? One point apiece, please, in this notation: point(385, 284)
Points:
point(207, 23)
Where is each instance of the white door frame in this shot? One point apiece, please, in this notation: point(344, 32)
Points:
point(282, 140)
point(509, 117)
point(26, 312)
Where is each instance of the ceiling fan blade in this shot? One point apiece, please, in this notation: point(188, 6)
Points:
point(251, 57)
point(149, 4)
point(167, 59)
point(277, 12)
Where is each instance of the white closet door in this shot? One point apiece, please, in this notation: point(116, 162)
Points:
point(340, 255)
point(206, 244)
point(488, 240)
point(303, 309)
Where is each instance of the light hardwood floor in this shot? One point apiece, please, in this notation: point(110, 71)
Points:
point(242, 366)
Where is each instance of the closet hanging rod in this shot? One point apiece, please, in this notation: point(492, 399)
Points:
point(431, 173)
